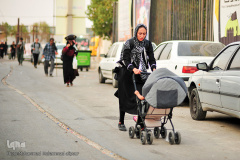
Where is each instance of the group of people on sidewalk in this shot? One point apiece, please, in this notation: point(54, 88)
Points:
point(3, 49)
point(49, 55)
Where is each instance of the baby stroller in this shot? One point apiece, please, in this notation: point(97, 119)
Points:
point(162, 91)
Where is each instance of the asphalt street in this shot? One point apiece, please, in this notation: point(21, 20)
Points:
point(41, 118)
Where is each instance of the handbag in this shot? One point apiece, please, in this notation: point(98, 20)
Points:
point(75, 62)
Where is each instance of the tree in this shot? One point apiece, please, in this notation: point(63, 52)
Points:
point(41, 29)
point(6, 28)
point(100, 12)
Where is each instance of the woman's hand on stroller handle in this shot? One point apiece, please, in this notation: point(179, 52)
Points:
point(139, 95)
point(138, 71)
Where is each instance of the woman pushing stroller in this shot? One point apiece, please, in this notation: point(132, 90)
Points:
point(137, 55)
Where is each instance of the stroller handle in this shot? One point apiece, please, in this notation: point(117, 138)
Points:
point(134, 81)
point(147, 73)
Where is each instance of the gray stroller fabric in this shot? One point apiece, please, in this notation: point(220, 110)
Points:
point(164, 89)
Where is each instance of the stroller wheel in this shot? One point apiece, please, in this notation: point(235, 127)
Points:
point(163, 132)
point(156, 132)
point(171, 137)
point(149, 137)
point(131, 132)
point(143, 137)
point(177, 137)
point(138, 131)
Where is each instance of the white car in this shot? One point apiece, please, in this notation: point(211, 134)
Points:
point(27, 55)
point(181, 56)
point(60, 47)
point(216, 87)
point(108, 63)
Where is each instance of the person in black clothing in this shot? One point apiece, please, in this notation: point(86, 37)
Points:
point(2, 48)
point(13, 50)
point(5, 48)
point(137, 55)
point(20, 51)
point(68, 52)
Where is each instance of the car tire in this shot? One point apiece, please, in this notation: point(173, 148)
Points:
point(195, 106)
point(101, 78)
point(114, 81)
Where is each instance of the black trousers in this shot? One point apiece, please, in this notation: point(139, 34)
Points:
point(35, 59)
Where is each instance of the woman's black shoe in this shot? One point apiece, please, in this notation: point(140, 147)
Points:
point(122, 127)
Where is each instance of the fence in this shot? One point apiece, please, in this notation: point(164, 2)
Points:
point(181, 20)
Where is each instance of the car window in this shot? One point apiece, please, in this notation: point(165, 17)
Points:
point(166, 52)
point(60, 46)
point(110, 50)
point(158, 51)
point(115, 51)
point(199, 48)
point(221, 61)
point(235, 65)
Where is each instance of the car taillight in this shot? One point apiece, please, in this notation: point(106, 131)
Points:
point(189, 69)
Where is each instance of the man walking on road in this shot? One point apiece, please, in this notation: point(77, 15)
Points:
point(20, 51)
point(49, 54)
point(35, 49)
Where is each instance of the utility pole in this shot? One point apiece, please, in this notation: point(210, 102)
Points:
point(17, 35)
point(33, 33)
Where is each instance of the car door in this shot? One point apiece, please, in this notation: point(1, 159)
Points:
point(105, 63)
point(112, 61)
point(210, 85)
point(230, 85)
point(164, 58)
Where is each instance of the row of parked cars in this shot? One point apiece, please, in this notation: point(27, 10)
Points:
point(210, 70)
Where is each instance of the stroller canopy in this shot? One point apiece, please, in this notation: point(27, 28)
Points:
point(164, 89)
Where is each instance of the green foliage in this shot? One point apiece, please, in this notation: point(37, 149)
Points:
point(6, 28)
point(100, 12)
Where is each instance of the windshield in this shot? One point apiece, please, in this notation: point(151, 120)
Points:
point(199, 49)
point(60, 46)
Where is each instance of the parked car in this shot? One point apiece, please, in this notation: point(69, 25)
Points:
point(108, 63)
point(27, 55)
point(60, 47)
point(216, 87)
point(181, 56)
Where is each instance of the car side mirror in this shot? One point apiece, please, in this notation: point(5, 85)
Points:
point(202, 66)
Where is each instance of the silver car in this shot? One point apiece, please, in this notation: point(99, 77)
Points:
point(216, 87)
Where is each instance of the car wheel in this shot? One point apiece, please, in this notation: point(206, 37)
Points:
point(101, 78)
point(195, 106)
point(114, 81)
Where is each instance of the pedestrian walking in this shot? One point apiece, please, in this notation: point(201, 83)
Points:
point(35, 50)
point(49, 52)
point(5, 48)
point(137, 55)
point(13, 50)
point(68, 53)
point(2, 46)
point(20, 50)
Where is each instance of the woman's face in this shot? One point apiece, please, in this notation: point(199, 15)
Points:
point(141, 34)
point(70, 42)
